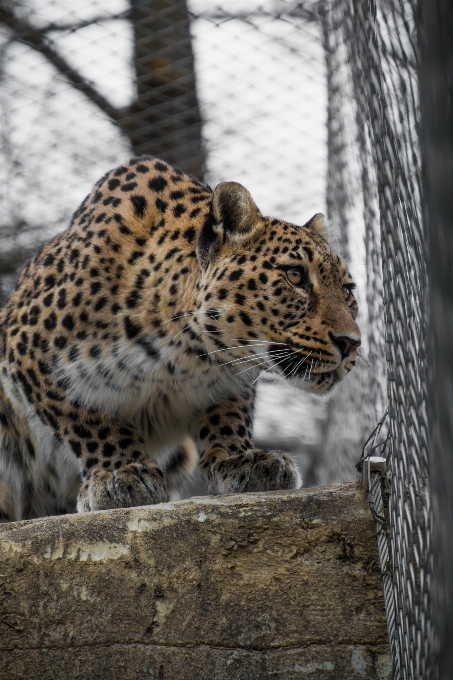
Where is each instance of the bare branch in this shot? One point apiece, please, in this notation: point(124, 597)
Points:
point(36, 38)
point(73, 27)
point(299, 11)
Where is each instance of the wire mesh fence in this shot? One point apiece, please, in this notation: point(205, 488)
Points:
point(313, 106)
point(380, 39)
point(383, 46)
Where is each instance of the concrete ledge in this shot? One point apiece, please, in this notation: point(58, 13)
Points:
point(253, 586)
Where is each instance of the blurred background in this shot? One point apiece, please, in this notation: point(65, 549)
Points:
point(254, 92)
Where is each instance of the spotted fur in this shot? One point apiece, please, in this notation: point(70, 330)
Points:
point(130, 349)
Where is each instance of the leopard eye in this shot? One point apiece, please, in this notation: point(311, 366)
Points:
point(347, 291)
point(297, 276)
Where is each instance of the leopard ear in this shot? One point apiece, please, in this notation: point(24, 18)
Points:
point(234, 210)
point(318, 225)
point(234, 218)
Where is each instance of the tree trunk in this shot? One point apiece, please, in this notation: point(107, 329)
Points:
point(165, 119)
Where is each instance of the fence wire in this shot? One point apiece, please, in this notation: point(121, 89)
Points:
point(380, 40)
point(313, 106)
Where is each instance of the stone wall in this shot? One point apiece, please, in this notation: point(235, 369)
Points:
point(245, 587)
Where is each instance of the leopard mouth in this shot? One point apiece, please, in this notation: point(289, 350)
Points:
point(301, 365)
point(295, 364)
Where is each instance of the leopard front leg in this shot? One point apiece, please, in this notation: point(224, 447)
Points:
point(116, 470)
point(228, 458)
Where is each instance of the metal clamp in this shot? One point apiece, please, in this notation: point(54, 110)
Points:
point(372, 464)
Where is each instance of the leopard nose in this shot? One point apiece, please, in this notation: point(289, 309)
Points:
point(345, 344)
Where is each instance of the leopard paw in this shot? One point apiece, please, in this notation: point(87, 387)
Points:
point(129, 486)
point(255, 470)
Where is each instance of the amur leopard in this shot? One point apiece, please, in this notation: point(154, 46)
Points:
point(131, 346)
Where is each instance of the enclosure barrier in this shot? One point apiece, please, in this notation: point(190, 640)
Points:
point(381, 45)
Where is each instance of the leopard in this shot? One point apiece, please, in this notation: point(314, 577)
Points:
point(131, 346)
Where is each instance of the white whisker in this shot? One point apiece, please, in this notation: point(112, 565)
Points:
point(252, 358)
point(276, 364)
point(363, 359)
point(260, 342)
point(262, 363)
point(293, 372)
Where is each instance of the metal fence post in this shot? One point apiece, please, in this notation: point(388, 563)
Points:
point(435, 30)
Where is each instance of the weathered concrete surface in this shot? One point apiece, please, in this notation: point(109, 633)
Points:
point(245, 587)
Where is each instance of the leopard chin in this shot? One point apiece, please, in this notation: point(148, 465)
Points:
point(318, 383)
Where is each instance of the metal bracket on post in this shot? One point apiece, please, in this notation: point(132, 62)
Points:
point(372, 464)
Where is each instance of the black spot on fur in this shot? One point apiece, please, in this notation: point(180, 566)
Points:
point(157, 184)
point(61, 302)
point(73, 353)
point(91, 462)
point(77, 299)
point(189, 234)
point(95, 351)
point(51, 322)
point(130, 186)
point(81, 431)
point(49, 281)
point(149, 347)
point(133, 299)
point(179, 210)
point(226, 430)
point(136, 255)
point(60, 341)
point(236, 274)
point(132, 329)
point(140, 204)
point(68, 322)
point(161, 205)
point(108, 449)
point(245, 318)
point(47, 300)
point(100, 304)
point(76, 447)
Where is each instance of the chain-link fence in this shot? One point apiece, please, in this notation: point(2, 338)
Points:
point(380, 42)
point(313, 106)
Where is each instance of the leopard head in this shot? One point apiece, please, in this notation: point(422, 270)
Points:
point(275, 294)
